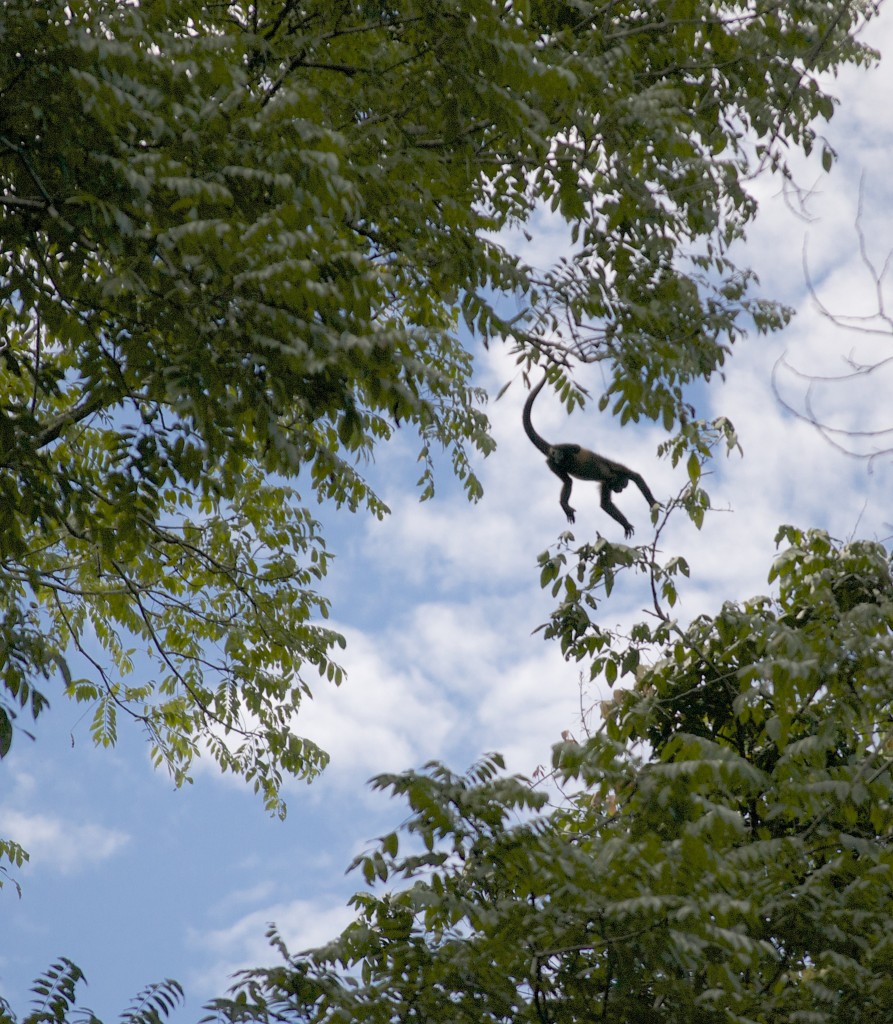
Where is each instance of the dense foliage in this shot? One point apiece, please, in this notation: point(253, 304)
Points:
point(238, 243)
point(718, 851)
point(722, 852)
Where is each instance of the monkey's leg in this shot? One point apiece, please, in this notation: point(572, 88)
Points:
point(565, 498)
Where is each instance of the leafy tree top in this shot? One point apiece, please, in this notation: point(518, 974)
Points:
point(238, 240)
point(736, 867)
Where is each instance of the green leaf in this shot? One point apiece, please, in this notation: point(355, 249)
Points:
point(5, 732)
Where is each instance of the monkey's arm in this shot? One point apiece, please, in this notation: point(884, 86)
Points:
point(614, 512)
point(643, 487)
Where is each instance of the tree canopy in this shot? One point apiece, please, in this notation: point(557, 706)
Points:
point(239, 241)
point(721, 851)
point(718, 850)
point(241, 244)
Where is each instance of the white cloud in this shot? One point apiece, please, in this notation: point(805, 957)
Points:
point(302, 924)
point(446, 681)
point(58, 844)
point(382, 716)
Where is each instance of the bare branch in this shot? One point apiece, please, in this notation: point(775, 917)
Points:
point(877, 323)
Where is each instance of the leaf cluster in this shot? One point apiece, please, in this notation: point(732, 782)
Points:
point(722, 852)
point(238, 244)
point(55, 1000)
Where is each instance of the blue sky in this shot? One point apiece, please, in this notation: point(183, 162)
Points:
point(136, 882)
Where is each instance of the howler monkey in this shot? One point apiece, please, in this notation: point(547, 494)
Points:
point(570, 460)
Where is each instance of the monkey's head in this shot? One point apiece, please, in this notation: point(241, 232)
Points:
point(618, 483)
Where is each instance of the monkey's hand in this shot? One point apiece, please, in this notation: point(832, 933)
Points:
point(570, 514)
point(628, 531)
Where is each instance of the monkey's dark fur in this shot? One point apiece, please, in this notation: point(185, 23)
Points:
point(570, 460)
